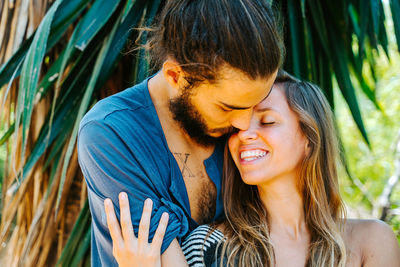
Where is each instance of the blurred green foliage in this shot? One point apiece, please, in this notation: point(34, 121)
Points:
point(3, 154)
point(375, 164)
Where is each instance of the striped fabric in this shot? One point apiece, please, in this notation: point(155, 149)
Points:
point(200, 246)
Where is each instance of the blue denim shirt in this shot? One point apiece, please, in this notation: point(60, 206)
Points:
point(122, 147)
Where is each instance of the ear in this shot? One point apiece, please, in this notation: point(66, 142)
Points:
point(174, 74)
point(307, 147)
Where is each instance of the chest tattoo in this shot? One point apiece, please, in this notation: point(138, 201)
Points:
point(183, 159)
point(202, 191)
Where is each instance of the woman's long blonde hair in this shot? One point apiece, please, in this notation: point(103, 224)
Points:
point(246, 226)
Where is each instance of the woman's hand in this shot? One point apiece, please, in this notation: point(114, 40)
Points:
point(127, 249)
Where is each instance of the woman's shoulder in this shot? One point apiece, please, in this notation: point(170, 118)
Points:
point(204, 232)
point(372, 242)
point(364, 230)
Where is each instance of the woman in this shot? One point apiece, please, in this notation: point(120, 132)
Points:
point(281, 196)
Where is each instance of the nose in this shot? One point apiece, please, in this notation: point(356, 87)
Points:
point(249, 134)
point(241, 120)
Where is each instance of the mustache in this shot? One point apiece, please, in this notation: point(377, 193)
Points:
point(224, 131)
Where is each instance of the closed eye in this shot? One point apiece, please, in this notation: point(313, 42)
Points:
point(267, 123)
point(225, 109)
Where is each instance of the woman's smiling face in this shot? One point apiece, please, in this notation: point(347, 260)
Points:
point(274, 144)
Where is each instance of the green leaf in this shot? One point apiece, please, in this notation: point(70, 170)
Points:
point(66, 110)
point(63, 117)
point(395, 9)
point(339, 64)
point(353, 15)
point(382, 35)
point(84, 105)
point(357, 72)
point(337, 13)
point(65, 15)
point(85, 31)
point(8, 69)
point(83, 248)
point(375, 14)
point(79, 230)
point(120, 39)
point(364, 21)
point(65, 57)
point(50, 78)
point(59, 143)
point(325, 77)
point(5, 95)
point(61, 21)
point(74, 83)
point(127, 8)
point(310, 53)
point(142, 64)
point(30, 74)
point(94, 20)
point(7, 134)
point(56, 161)
point(319, 22)
point(298, 60)
point(372, 36)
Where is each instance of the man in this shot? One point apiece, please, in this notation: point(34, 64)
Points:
point(163, 138)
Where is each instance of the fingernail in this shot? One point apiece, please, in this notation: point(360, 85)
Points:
point(124, 196)
point(165, 216)
point(107, 202)
point(147, 202)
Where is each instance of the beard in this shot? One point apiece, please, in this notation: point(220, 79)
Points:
point(192, 123)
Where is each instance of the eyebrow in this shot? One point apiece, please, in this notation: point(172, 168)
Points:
point(264, 109)
point(241, 108)
point(233, 106)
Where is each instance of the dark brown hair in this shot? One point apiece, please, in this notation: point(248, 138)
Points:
point(201, 35)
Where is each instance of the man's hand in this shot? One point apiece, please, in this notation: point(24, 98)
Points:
point(127, 249)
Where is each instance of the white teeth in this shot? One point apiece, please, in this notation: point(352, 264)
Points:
point(252, 154)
